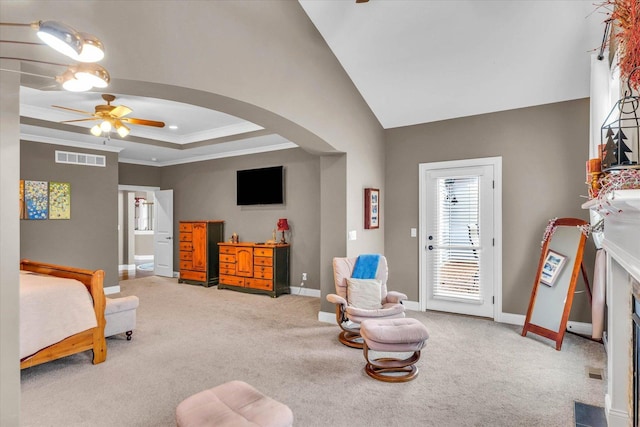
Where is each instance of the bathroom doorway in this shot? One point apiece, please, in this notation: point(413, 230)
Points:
point(135, 231)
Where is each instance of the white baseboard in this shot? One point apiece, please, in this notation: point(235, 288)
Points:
point(411, 305)
point(112, 290)
point(126, 267)
point(580, 328)
point(518, 319)
point(305, 292)
point(510, 318)
point(325, 317)
point(615, 417)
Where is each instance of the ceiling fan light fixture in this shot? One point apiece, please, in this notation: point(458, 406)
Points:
point(106, 126)
point(122, 129)
point(96, 130)
point(70, 83)
point(74, 85)
point(94, 74)
point(92, 48)
point(61, 37)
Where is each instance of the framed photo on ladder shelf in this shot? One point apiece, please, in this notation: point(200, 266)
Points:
point(371, 208)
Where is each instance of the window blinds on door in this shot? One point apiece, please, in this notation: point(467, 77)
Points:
point(456, 262)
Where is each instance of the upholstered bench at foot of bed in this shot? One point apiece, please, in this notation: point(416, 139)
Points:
point(120, 314)
point(232, 404)
point(396, 336)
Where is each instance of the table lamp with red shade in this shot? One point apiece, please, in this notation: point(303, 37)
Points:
point(283, 226)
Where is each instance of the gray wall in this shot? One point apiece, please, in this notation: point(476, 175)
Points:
point(143, 245)
point(132, 174)
point(333, 201)
point(207, 190)
point(543, 151)
point(89, 239)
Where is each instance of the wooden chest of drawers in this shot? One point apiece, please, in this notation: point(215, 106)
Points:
point(199, 251)
point(250, 267)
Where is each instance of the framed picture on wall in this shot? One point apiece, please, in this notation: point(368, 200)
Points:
point(551, 268)
point(371, 208)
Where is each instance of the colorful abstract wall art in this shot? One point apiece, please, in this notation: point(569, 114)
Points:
point(36, 198)
point(59, 200)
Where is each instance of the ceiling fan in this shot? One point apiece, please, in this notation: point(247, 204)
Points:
point(112, 116)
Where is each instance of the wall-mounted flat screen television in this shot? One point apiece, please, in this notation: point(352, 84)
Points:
point(264, 186)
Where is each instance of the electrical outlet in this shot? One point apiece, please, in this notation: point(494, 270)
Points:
point(304, 276)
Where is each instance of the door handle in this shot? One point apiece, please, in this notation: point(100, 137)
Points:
point(168, 238)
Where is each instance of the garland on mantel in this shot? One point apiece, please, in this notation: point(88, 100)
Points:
point(623, 179)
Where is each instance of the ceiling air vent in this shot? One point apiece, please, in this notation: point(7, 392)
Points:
point(80, 159)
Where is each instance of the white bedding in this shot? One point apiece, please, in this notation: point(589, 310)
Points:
point(52, 309)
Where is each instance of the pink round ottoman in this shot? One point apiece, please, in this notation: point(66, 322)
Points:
point(393, 335)
point(232, 404)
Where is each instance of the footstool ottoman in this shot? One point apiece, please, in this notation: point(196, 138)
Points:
point(397, 336)
point(232, 404)
point(120, 315)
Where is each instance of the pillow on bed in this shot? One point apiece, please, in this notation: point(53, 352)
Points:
point(364, 293)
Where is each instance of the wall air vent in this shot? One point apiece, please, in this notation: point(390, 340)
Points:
point(80, 159)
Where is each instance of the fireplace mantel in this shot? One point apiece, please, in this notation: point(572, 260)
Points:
point(621, 241)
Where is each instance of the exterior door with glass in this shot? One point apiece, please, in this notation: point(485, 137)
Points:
point(457, 225)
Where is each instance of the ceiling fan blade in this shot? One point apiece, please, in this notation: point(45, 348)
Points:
point(120, 111)
point(143, 122)
point(73, 109)
point(81, 120)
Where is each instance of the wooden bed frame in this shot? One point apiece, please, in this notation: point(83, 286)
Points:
point(91, 339)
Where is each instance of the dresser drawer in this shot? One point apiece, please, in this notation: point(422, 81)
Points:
point(227, 270)
point(263, 272)
point(260, 260)
point(193, 275)
point(265, 285)
point(228, 258)
point(186, 255)
point(263, 252)
point(186, 264)
point(232, 280)
point(227, 250)
point(186, 227)
point(186, 246)
point(186, 237)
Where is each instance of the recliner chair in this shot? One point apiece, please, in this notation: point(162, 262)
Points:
point(348, 316)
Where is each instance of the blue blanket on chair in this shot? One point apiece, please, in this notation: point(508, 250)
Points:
point(366, 266)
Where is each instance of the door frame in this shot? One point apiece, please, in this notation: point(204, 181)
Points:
point(131, 226)
point(496, 162)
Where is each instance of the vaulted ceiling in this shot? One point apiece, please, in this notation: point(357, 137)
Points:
point(412, 61)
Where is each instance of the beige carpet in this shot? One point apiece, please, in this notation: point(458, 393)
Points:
point(189, 338)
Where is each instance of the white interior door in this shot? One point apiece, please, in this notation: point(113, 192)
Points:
point(458, 262)
point(163, 233)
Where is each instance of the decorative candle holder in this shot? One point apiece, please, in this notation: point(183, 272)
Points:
point(594, 184)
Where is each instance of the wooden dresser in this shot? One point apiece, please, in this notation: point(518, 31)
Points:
point(199, 251)
point(254, 268)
